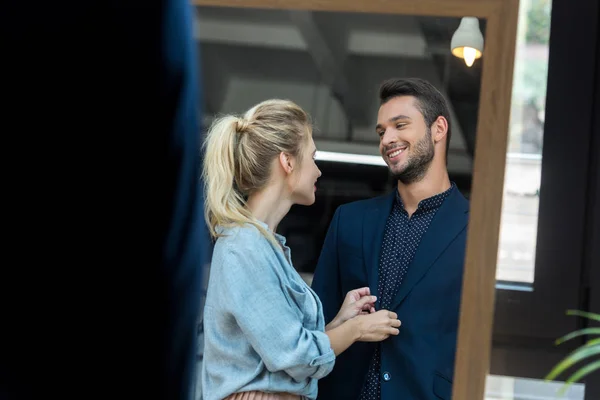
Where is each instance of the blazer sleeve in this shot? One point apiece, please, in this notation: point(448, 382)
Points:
point(255, 297)
point(326, 280)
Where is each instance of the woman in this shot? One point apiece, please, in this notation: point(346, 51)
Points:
point(265, 336)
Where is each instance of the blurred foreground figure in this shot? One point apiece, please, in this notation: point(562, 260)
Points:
point(103, 216)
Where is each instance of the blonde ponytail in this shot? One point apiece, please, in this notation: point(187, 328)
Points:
point(223, 205)
point(236, 152)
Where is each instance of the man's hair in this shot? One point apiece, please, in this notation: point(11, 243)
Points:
point(430, 102)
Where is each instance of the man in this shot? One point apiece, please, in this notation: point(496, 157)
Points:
point(408, 247)
point(102, 200)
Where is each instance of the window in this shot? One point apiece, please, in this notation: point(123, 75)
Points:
point(536, 316)
point(519, 221)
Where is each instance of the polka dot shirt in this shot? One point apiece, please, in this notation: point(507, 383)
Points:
point(401, 239)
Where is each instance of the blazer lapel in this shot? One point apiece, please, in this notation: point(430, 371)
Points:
point(373, 229)
point(448, 222)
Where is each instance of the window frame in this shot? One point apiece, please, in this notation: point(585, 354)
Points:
point(565, 186)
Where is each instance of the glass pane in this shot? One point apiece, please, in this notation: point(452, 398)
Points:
point(336, 79)
point(511, 388)
point(332, 65)
point(518, 231)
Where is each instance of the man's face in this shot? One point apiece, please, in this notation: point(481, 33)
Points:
point(405, 141)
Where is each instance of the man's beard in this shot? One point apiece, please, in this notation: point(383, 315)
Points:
point(418, 162)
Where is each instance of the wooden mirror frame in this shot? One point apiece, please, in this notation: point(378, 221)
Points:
point(478, 291)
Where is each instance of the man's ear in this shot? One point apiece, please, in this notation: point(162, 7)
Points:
point(439, 129)
point(287, 162)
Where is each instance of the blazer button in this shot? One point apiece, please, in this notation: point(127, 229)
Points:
point(387, 376)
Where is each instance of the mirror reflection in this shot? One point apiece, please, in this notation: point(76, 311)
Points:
point(392, 103)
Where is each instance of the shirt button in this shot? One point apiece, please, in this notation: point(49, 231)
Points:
point(387, 376)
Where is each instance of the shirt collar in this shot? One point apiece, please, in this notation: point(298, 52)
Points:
point(281, 239)
point(429, 203)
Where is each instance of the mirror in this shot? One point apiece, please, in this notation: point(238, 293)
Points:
point(332, 64)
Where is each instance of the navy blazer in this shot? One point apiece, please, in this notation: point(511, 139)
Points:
point(420, 360)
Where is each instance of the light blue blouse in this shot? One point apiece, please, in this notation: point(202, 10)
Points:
point(263, 325)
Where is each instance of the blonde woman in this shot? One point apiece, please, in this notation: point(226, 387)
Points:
point(265, 334)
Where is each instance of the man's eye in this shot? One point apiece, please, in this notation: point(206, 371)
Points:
point(400, 126)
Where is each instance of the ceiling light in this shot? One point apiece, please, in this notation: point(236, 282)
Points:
point(467, 41)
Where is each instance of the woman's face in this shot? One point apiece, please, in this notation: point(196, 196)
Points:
point(305, 176)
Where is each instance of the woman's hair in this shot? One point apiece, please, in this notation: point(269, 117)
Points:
point(238, 156)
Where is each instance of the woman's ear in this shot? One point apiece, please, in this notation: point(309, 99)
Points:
point(287, 162)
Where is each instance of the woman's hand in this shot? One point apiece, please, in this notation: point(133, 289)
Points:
point(377, 326)
point(357, 301)
point(364, 327)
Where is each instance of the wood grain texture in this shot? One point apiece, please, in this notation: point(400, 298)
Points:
point(477, 304)
point(444, 8)
point(478, 295)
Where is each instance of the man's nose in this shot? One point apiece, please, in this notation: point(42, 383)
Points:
point(388, 138)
